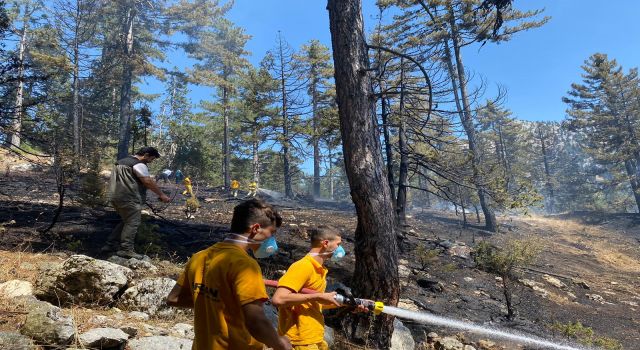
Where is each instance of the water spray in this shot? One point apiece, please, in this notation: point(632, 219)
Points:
point(378, 307)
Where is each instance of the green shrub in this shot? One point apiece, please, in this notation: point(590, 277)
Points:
point(147, 238)
point(585, 335)
point(425, 256)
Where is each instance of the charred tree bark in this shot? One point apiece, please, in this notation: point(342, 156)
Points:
point(376, 269)
point(403, 171)
point(547, 172)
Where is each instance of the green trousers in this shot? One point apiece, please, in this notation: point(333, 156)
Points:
point(124, 234)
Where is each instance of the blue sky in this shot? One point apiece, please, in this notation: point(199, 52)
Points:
point(537, 67)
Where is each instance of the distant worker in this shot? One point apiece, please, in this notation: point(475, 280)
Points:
point(224, 285)
point(179, 176)
point(253, 189)
point(300, 315)
point(235, 186)
point(128, 186)
point(187, 185)
point(164, 175)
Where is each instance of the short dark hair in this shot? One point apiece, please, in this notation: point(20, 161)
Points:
point(254, 211)
point(321, 233)
point(148, 150)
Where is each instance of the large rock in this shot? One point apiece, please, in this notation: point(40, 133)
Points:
point(82, 279)
point(15, 341)
point(160, 343)
point(148, 294)
point(141, 266)
point(103, 338)
point(182, 330)
point(449, 343)
point(46, 324)
point(15, 288)
point(401, 338)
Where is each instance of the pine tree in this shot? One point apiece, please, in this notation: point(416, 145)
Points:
point(605, 106)
point(287, 69)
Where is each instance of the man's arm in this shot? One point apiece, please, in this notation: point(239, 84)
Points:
point(148, 182)
point(179, 298)
point(286, 297)
point(261, 329)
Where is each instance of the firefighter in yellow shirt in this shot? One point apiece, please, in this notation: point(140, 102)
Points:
point(235, 185)
point(224, 285)
point(187, 184)
point(253, 189)
point(300, 315)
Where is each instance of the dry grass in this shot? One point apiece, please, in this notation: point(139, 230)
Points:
point(23, 265)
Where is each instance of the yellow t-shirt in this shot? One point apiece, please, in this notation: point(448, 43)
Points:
point(235, 185)
point(303, 323)
point(221, 279)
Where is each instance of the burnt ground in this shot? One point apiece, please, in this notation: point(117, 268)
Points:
point(598, 249)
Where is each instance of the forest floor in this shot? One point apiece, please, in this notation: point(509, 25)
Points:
point(594, 256)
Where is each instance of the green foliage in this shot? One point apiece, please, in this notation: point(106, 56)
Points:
point(504, 261)
point(585, 335)
point(425, 255)
point(92, 189)
point(147, 238)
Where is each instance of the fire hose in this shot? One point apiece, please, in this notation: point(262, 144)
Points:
point(343, 298)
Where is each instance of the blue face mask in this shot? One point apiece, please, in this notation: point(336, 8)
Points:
point(267, 248)
point(338, 254)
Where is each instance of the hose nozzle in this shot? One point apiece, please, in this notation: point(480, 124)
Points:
point(373, 306)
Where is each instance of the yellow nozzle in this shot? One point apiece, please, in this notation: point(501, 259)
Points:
point(377, 307)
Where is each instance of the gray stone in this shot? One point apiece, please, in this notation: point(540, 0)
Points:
point(432, 336)
point(46, 324)
point(103, 338)
point(469, 347)
point(160, 343)
point(82, 279)
point(134, 264)
point(554, 281)
point(182, 330)
point(131, 330)
point(401, 338)
point(139, 315)
point(461, 251)
point(449, 343)
point(15, 341)
point(148, 295)
point(153, 330)
point(16, 288)
point(329, 336)
point(99, 319)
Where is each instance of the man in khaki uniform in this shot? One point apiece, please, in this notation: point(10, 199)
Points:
point(128, 186)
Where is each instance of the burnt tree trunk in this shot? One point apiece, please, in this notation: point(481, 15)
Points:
point(403, 171)
point(376, 268)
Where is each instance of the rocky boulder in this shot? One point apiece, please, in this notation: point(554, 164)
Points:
point(449, 343)
point(15, 341)
point(103, 338)
point(142, 266)
point(401, 338)
point(15, 288)
point(82, 280)
point(148, 295)
point(160, 343)
point(46, 324)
